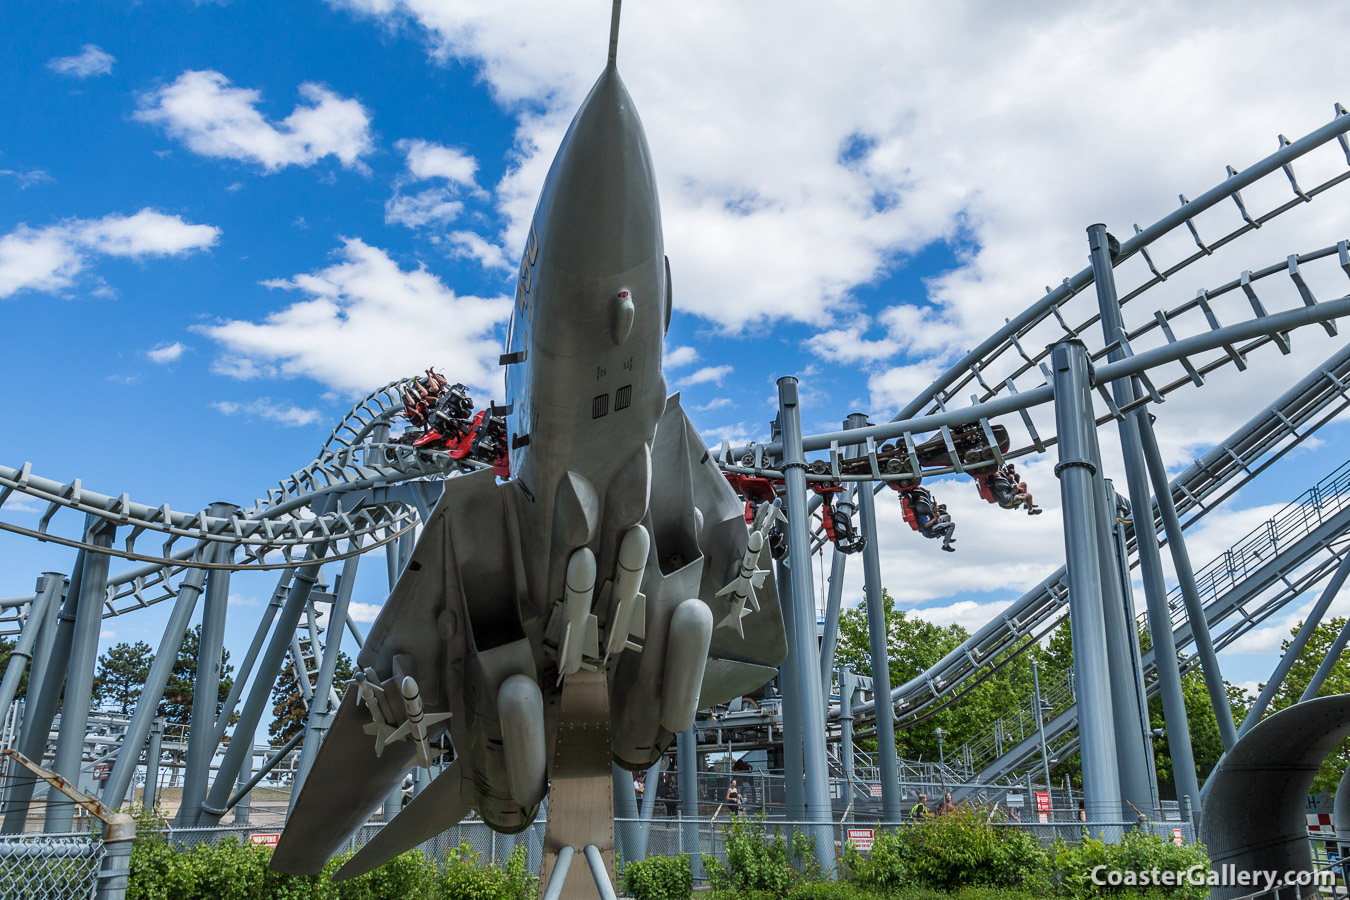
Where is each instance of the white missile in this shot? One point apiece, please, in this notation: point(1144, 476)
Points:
point(576, 608)
point(418, 723)
point(686, 657)
point(633, 549)
point(742, 587)
point(368, 693)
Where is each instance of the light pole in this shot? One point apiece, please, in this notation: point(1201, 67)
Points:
point(1040, 720)
point(942, 758)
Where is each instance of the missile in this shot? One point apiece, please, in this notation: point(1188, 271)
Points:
point(369, 694)
point(417, 725)
point(520, 709)
point(576, 610)
point(633, 549)
point(686, 658)
point(742, 587)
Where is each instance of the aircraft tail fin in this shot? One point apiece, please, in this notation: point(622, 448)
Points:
point(441, 805)
point(614, 33)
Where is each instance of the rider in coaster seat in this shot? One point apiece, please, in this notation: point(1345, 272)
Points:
point(1011, 492)
point(940, 525)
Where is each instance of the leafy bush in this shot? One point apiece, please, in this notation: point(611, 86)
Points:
point(1138, 852)
point(951, 851)
point(756, 861)
point(659, 878)
point(231, 870)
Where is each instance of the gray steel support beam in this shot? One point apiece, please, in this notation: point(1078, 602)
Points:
point(647, 809)
point(625, 807)
point(42, 650)
point(1040, 725)
point(1122, 555)
point(145, 716)
point(810, 697)
point(829, 640)
point(48, 594)
point(44, 692)
point(793, 775)
point(686, 760)
point(202, 745)
point(1181, 561)
point(847, 685)
point(1296, 646)
point(79, 693)
point(877, 637)
point(1125, 392)
point(1328, 663)
point(152, 753)
point(259, 694)
point(320, 711)
point(245, 669)
point(243, 789)
point(1076, 469)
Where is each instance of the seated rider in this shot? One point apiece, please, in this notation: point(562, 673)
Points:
point(1005, 481)
point(941, 526)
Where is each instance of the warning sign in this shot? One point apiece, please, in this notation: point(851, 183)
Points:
point(861, 838)
point(1043, 801)
point(875, 789)
point(1177, 838)
point(102, 771)
point(265, 838)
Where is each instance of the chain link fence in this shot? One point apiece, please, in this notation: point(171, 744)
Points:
point(49, 866)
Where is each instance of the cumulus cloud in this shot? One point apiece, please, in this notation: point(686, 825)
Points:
point(675, 357)
point(212, 117)
point(266, 408)
point(707, 375)
point(364, 321)
point(440, 203)
point(91, 60)
point(429, 160)
point(48, 259)
point(166, 353)
point(471, 245)
point(363, 612)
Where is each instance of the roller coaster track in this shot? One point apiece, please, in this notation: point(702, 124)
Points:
point(1291, 551)
point(359, 493)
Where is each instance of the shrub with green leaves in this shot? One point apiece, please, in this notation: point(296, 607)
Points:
point(1139, 851)
point(756, 861)
point(951, 851)
point(659, 878)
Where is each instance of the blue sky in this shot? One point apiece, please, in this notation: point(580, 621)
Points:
point(220, 223)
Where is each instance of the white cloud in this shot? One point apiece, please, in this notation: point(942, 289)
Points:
point(707, 375)
point(48, 259)
point(27, 177)
point(91, 60)
point(428, 160)
point(848, 345)
point(364, 613)
point(675, 357)
point(214, 118)
point(715, 403)
point(475, 246)
point(278, 411)
point(431, 206)
point(365, 321)
point(166, 353)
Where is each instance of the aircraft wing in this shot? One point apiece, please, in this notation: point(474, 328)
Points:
point(421, 632)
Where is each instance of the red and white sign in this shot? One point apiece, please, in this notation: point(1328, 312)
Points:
point(875, 789)
point(861, 838)
point(102, 771)
point(265, 838)
point(1043, 801)
point(1177, 838)
point(1320, 823)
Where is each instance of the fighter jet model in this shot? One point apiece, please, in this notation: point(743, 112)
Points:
point(562, 618)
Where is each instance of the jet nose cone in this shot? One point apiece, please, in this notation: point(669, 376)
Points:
point(602, 212)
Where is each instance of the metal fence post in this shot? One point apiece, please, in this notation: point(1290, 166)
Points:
point(118, 834)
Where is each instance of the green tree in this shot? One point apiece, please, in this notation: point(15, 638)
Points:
point(289, 711)
point(914, 645)
point(1338, 682)
point(176, 706)
point(121, 676)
